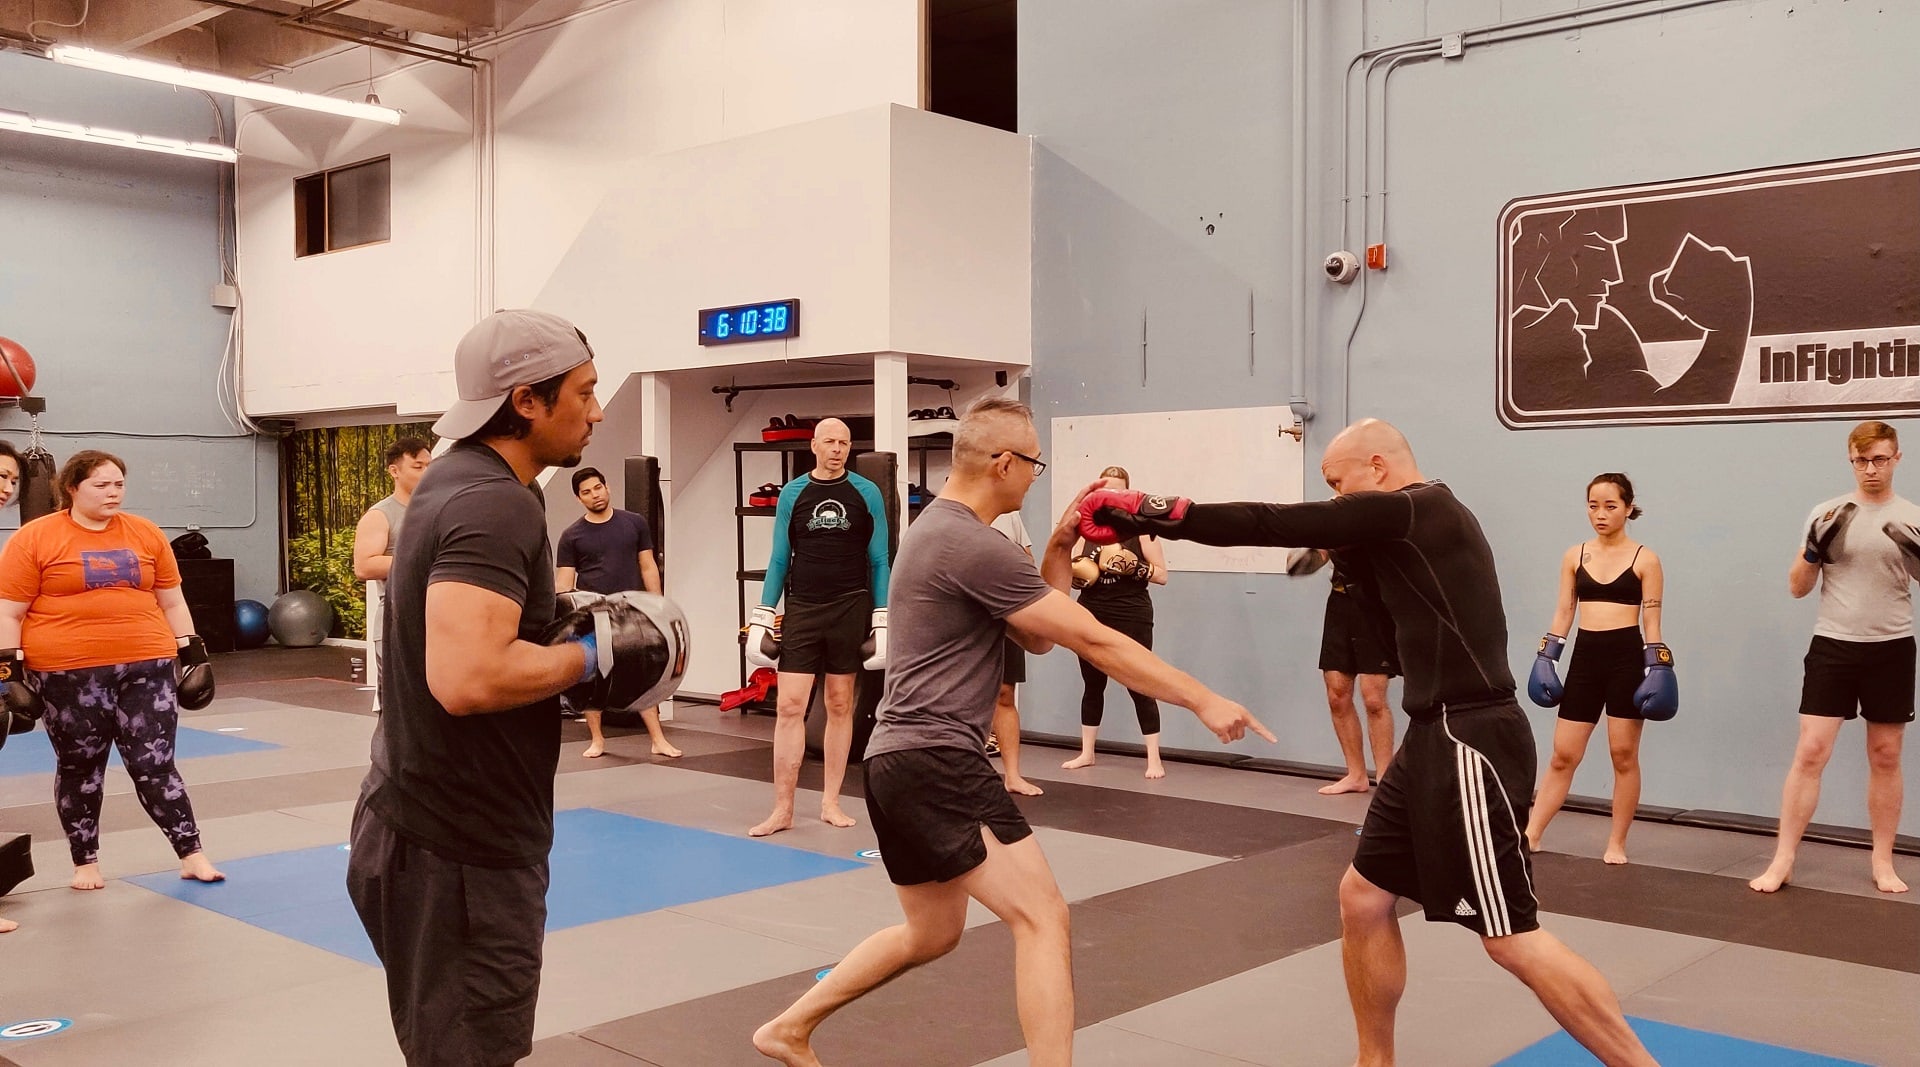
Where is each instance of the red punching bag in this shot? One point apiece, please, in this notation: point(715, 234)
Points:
point(16, 369)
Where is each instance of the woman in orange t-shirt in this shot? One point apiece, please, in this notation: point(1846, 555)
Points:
point(92, 597)
point(9, 484)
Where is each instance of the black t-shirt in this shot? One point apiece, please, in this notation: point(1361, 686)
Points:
point(1119, 598)
point(605, 555)
point(1417, 557)
point(475, 789)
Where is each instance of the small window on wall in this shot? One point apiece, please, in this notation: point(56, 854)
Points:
point(342, 208)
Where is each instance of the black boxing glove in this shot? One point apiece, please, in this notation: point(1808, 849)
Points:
point(22, 701)
point(637, 643)
point(193, 674)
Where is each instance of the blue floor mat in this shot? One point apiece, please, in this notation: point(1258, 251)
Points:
point(32, 753)
point(605, 866)
point(1676, 1046)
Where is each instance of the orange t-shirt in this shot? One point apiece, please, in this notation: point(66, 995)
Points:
point(90, 593)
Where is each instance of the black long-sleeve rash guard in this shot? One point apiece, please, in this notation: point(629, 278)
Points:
point(1419, 557)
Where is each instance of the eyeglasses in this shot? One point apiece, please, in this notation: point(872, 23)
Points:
point(1039, 466)
point(1878, 463)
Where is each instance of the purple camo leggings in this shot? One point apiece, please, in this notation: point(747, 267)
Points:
point(131, 706)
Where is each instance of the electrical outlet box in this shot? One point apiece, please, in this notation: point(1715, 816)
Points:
point(1451, 45)
point(225, 296)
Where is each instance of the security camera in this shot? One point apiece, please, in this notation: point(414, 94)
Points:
point(1342, 267)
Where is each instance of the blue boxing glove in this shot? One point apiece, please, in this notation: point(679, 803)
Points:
point(1543, 685)
point(1658, 696)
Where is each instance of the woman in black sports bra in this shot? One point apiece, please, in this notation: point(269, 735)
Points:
point(1615, 585)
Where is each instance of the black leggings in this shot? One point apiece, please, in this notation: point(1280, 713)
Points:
point(1093, 699)
point(129, 706)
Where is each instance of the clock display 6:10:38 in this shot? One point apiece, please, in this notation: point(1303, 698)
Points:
point(750, 322)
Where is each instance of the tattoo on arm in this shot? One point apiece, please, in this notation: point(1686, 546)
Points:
point(1650, 603)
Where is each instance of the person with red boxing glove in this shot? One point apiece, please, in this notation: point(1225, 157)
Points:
point(1863, 550)
point(1444, 827)
point(1117, 596)
point(1619, 666)
point(947, 828)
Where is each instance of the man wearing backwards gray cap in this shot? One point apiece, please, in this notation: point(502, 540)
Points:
point(455, 820)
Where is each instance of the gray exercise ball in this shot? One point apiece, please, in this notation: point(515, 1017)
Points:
point(300, 619)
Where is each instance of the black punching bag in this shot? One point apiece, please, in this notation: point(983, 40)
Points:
point(38, 473)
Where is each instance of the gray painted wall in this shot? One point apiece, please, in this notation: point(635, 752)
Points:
point(111, 256)
point(1149, 116)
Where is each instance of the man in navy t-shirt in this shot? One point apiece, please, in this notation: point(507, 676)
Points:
point(608, 550)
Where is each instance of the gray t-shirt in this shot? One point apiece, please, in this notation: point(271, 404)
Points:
point(396, 514)
point(954, 583)
point(1865, 593)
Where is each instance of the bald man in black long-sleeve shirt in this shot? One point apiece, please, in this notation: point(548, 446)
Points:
point(1445, 826)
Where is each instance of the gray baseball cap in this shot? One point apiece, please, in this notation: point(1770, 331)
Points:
point(514, 346)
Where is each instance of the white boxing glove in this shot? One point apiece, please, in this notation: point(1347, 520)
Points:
point(874, 648)
point(1304, 561)
point(763, 649)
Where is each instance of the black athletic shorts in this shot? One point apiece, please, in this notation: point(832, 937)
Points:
point(461, 945)
point(1013, 669)
point(1848, 678)
point(1607, 666)
point(927, 806)
point(1348, 643)
point(825, 638)
point(1445, 827)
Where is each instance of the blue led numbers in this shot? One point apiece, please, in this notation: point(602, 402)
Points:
point(767, 321)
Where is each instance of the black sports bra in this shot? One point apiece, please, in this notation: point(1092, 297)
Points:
point(1624, 589)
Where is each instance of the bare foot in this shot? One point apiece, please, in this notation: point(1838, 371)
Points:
point(1614, 856)
point(666, 749)
point(594, 751)
point(1533, 843)
point(778, 821)
point(1771, 881)
point(1155, 770)
point(833, 816)
point(1349, 784)
point(776, 1042)
point(199, 868)
point(1886, 881)
point(88, 877)
point(8, 926)
point(1085, 759)
point(1017, 784)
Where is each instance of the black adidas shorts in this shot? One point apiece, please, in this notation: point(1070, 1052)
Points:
point(1446, 825)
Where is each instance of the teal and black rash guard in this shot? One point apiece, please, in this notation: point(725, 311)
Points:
point(829, 540)
point(1417, 556)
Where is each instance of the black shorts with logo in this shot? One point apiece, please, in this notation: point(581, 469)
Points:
point(1348, 643)
point(825, 637)
point(927, 806)
point(1607, 666)
point(1445, 826)
point(1848, 678)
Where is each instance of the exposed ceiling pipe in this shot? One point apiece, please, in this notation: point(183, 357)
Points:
point(352, 35)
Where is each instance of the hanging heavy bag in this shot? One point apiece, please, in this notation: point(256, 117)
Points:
point(38, 472)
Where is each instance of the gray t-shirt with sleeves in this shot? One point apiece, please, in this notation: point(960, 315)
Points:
point(955, 581)
point(1865, 593)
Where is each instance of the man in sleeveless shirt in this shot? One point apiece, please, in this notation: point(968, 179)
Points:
point(377, 533)
point(1859, 547)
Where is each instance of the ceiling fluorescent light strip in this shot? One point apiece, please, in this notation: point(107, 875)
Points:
point(14, 120)
point(167, 73)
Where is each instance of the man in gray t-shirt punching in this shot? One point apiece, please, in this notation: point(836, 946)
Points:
point(948, 830)
point(1862, 548)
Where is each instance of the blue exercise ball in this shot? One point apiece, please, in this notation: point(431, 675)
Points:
point(249, 623)
point(300, 619)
